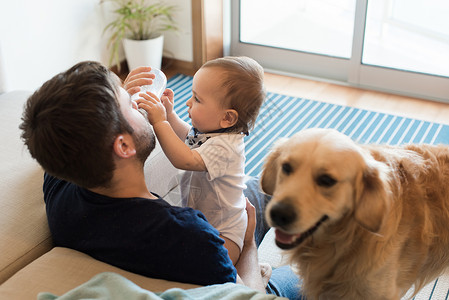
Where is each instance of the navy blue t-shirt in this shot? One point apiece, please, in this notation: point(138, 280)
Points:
point(144, 236)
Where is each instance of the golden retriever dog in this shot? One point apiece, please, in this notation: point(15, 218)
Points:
point(359, 221)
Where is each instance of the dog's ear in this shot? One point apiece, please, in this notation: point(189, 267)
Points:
point(270, 169)
point(270, 172)
point(372, 195)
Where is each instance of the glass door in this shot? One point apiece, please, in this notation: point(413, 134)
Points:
point(322, 27)
point(400, 46)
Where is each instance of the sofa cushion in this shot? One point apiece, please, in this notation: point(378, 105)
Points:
point(63, 269)
point(24, 233)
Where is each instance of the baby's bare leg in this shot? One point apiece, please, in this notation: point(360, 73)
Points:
point(265, 271)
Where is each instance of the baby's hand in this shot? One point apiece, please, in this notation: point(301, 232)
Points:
point(167, 99)
point(153, 106)
point(136, 78)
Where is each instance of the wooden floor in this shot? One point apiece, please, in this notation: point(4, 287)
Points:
point(333, 93)
point(360, 98)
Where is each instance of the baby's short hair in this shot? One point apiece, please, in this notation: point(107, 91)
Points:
point(243, 81)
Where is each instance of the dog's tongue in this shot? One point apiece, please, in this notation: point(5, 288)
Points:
point(285, 238)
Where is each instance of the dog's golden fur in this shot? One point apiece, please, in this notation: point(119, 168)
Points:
point(387, 209)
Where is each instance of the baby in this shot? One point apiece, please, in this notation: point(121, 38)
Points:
point(227, 95)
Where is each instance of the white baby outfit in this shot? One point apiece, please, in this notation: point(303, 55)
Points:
point(218, 192)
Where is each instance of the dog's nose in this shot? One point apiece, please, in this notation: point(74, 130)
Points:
point(282, 214)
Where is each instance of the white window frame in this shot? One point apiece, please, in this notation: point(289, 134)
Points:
point(338, 70)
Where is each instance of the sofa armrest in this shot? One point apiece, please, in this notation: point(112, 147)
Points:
point(24, 233)
point(63, 269)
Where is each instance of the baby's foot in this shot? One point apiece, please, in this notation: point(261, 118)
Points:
point(265, 271)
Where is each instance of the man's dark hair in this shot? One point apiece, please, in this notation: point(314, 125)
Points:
point(70, 123)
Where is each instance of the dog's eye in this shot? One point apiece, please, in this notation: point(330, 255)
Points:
point(325, 181)
point(287, 168)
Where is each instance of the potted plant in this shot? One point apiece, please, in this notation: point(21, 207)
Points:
point(139, 24)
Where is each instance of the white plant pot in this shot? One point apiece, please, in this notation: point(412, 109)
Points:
point(144, 53)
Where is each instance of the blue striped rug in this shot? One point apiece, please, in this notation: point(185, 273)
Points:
point(282, 116)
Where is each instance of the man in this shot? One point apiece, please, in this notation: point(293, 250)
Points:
point(92, 141)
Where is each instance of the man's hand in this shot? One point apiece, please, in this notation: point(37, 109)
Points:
point(248, 269)
point(153, 106)
point(136, 78)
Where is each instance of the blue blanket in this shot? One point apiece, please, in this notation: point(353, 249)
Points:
point(112, 286)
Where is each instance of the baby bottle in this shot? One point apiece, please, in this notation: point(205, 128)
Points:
point(157, 87)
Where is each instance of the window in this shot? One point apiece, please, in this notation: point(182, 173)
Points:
point(400, 46)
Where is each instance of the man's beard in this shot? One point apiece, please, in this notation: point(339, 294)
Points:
point(145, 143)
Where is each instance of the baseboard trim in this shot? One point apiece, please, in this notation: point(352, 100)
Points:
point(181, 66)
point(123, 69)
point(168, 64)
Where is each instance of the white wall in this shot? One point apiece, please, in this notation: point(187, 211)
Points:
point(179, 44)
point(39, 39)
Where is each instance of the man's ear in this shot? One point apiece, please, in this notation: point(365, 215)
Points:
point(229, 119)
point(124, 146)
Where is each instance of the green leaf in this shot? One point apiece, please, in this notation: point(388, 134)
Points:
point(138, 20)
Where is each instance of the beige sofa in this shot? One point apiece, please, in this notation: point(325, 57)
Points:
point(29, 263)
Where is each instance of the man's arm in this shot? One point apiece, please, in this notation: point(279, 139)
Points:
point(199, 255)
point(248, 268)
